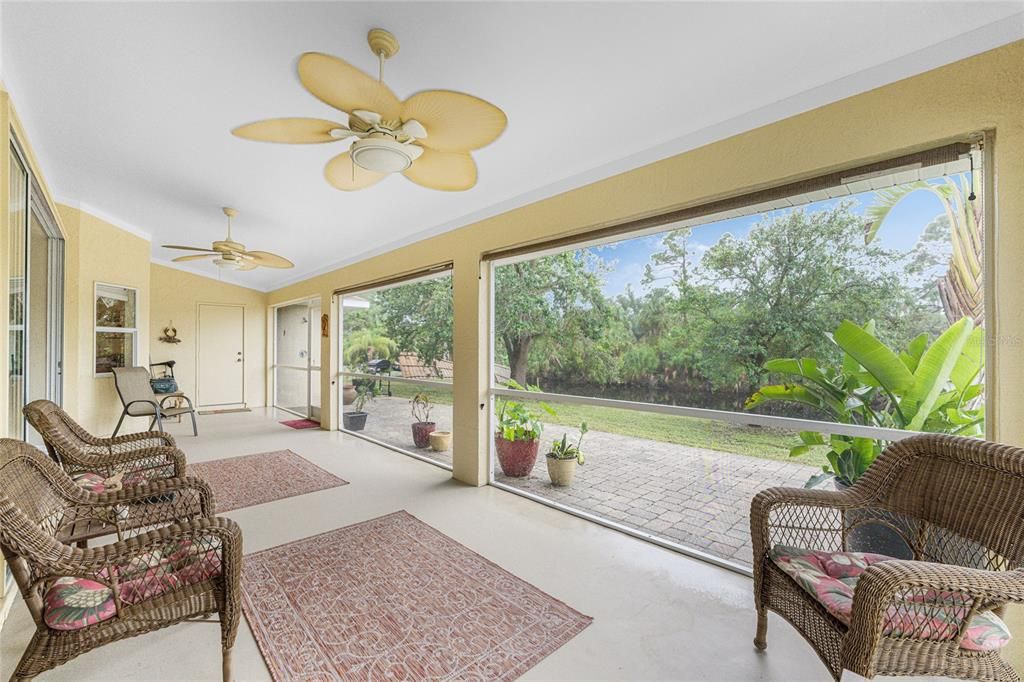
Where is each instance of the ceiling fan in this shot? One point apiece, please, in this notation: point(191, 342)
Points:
point(427, 137)
point(231, 255)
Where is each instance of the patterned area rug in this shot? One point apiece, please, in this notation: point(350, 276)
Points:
point(255, 479)
point(301, 423)
point(394, 599)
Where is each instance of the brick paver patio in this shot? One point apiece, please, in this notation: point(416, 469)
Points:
point(699, 497)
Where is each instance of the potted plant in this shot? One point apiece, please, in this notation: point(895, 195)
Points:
point(517, 435)
point(356, 419)
point(422, 427)
point(440, 441)
point(563, 458)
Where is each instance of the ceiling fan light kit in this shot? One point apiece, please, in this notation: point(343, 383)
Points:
point(427, 137)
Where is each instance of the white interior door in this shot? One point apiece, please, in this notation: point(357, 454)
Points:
point(221, 355)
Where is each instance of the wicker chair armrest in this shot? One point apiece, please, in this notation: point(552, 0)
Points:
point(144, 491)
point(124, 550)
point(143, 439)
point(171, 493)
point(954, 594)
point(154, 457)
point(795, 515)
point(101, 562)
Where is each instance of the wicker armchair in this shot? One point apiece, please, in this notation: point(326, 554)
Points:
point(158, 575)
point(140, 457)
point(957, 504)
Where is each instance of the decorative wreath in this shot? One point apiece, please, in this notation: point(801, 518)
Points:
point(170, 335)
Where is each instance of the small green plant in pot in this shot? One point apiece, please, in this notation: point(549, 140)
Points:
point(564, 457)
point(356, 419)
point(422, 427)
point(517, 436)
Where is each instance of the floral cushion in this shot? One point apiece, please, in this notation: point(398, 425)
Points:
point(92, 482)
point(97, 483)
point(73, 603)
point(831, 578)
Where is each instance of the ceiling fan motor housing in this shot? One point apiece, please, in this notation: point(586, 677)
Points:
point(384, 155)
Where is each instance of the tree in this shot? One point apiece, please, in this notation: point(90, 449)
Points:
point(418, 316)
point(543, 298)
point(770, 294)
point(962, 289)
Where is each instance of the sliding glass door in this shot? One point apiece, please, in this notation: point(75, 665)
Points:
point(297, 358)
point(35, 286)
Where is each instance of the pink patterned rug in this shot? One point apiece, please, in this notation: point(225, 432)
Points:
point(255, 479)
point(301, 423)
point(395, 599)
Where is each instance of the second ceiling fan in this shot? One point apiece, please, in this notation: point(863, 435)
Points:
point(427, 137)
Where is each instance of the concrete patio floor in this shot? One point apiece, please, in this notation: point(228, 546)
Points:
point(698, 497)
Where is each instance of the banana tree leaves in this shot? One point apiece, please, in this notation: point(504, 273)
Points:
point(915, 349)
point(870, 353)
point(795, 393)
point(933, 373)
point(970, 362)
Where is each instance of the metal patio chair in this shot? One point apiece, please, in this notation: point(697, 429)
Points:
point(139, 400)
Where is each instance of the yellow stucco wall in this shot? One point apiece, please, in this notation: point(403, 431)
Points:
point(176, 296)
point(98, 252)
point(985, 92)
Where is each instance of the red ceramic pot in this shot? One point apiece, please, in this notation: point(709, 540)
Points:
point(421, 433)
point(516, 457)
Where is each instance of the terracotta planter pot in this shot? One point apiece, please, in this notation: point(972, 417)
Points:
point(440, 441)
point(561, 471)
point(348, 394)
point(421, 433)
point(516, 457)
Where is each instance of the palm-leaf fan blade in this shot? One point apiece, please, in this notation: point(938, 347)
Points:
point(290, 130)
point(344, 87)
point(447, 171)
point(345, 175)
point(267, 259)
point(201, 256)
point(189, 248)
point(455, 121)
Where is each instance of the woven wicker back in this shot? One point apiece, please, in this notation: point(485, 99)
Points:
point(64, 438)
point(30, 491)
point(953, 500)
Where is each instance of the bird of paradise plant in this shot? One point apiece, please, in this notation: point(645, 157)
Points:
point(962, 288)
point(934, 387)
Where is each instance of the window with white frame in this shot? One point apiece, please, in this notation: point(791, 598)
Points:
point(116, 331)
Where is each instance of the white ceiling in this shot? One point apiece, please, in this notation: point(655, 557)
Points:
point(129, 106)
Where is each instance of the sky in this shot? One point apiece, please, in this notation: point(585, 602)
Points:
point(900, 231)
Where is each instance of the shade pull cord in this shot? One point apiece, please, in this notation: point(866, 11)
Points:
point(972, 196)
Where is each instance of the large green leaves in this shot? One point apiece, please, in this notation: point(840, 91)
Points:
point(934, 388)
point(884, 365)
point(934, 372)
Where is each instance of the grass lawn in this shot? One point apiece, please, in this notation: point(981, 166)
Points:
point(755, 441)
